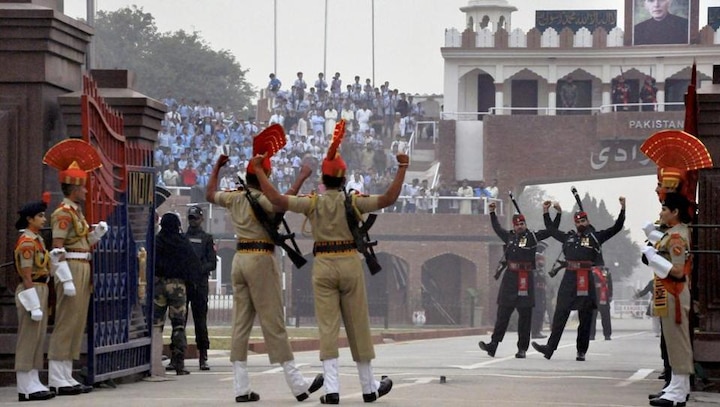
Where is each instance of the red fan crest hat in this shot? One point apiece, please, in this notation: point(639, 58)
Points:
point(517, 218)
point(268, 142)
point(73, 158)
point(678, 155)
point(671, 178)
point(333, 164)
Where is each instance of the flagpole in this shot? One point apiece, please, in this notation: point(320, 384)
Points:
point(372, 12)
point(325, 48)
point(90, 57)
point(275, 37)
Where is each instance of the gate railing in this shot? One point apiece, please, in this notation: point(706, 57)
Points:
point(120, 193)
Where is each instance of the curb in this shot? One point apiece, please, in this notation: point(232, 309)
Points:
point(308, 344)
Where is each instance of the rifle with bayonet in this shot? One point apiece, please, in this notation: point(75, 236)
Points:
point(359, 230)
point(271, 227)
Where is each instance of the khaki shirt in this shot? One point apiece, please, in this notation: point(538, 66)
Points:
point(246, 226)
point(30, 253)
point(675, 243)
point(326, 213)
point(68, 223)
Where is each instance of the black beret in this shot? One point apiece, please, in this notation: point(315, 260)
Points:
point(194, 211)
point(170, 222)
point(29, 210)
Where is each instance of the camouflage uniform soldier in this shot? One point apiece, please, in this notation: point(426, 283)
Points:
point(338, 276)
point(175, 261)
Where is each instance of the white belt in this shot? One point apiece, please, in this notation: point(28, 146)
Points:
point(78, 256)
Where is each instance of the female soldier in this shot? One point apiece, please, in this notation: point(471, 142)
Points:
point(31, 300)
point(671, 264)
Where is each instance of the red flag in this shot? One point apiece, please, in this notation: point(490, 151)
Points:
point(691, 126)
point(691, 104)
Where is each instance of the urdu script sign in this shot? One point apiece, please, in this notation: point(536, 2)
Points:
point(575, 19)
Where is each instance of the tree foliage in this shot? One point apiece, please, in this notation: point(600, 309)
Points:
point(619, 249)
point(178, 64)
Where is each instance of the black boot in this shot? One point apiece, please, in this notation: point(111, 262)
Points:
point(490, 348)
point(179, 363)
point(330, 398)
point(542, 349)
point(203, 360)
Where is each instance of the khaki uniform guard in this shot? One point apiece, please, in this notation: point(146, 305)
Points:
point(257, 289)
point(31, 300)
point(72, 241)
point(337, 275)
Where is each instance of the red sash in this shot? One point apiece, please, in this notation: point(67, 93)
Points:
point(523, 273)
point(582, 276)
point(676, 287)
point(601, 285)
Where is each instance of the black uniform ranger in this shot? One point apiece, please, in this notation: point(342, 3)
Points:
point(517, 287)
point(197, 288)
point(581, 248)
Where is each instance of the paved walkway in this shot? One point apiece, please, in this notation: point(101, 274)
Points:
point(215, 387)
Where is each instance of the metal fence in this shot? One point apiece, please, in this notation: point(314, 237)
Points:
point(437, 313)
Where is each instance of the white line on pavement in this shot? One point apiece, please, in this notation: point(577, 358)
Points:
point(639, 375)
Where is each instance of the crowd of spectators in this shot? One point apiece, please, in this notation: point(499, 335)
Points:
point(379, 124)
point(193, 135)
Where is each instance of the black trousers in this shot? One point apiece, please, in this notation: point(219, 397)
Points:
point(197, 301)
point(604, 311)
point(524, 322)
point(562, 312)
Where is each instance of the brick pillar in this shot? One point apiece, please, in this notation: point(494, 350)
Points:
point(41, 57)
point(706, 276)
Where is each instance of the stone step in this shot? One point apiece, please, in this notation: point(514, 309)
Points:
point(423, 155)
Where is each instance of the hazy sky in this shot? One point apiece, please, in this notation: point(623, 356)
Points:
point(408, 33)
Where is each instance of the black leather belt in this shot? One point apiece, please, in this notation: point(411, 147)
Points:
point(334, 247)
point(255, 247)
point(515, 265)
point(577, 265)
point(43, 279)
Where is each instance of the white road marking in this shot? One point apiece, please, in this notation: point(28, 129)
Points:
point(639, 375)
point(530, 351)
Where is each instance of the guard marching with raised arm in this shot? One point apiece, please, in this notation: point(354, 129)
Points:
point(257, 289)
point(517, 289)
point(582, 248)
point(337, 276)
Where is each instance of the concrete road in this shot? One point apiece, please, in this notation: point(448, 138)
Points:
point(617, 373)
